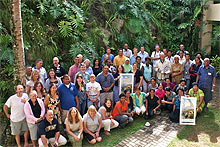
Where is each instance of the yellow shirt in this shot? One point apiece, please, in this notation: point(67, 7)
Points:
point(119, 60)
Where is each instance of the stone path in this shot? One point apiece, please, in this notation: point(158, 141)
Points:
point(161, 131)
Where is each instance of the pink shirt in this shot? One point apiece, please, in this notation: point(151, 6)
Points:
point(72, 72)
point(160, 94)
point(29, 114)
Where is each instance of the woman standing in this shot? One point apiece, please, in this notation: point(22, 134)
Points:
point(35, 76)
point(52, 78)
point(138, 76)
point(96, 67)
point(74, 127)
point(147, 70)
point(176, 70)
point(81, 93)
point(52, 102)
point(194, 69)
point(119, 70)
point(38, 87)
point(106, 114)
point(92, 123)
point(34, 111)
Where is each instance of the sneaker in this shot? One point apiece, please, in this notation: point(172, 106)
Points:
point(107, 133)
point(147, 124)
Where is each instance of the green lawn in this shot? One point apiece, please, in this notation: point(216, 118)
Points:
point(206, 132)
point(119, 134)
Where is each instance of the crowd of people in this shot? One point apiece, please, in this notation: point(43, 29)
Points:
point(87, 99)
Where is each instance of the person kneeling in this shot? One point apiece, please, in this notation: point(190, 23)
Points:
point(152, 104)
point(49, 131)
point(92, 124)
point(106, 113)
point(138, 101)
point(74, 127)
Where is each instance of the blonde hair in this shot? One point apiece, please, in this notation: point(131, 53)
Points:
point(34, 73)
point(92, 108)
point(32, 93)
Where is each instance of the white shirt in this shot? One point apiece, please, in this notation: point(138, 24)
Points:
point(17, 107)
point(127, 53)
point(164, 67)
point(155, 54)
point(93, 88)
point(182, 60)
point(171, 59)
point(43, 74)
point(143, 56)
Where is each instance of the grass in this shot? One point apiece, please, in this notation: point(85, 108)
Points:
point(118, 134)
point(206, 132)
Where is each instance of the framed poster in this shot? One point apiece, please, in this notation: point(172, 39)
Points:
point(126, 82)
point(188, 111)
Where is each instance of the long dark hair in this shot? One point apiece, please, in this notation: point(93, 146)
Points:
point(51, 85)
point(108, 109)
point(95, 61)
point(55, 77)
point(77, 85)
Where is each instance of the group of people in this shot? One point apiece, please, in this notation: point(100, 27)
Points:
point(88, 99)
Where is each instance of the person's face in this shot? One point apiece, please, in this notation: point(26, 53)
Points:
point(126, 46)
point(108, 51)
point(92, 113)
point(127, 62)
point(181, 54)
point(66, 80)
point(36, 76)
point(160, 87)
point(128, 94)
point(142, 49)
point(181, 47)
point(169, 54)
point(180, 92)
point(83, 69)
point(120, 52)
point(109, 62)
point(80, 59)
point(52, 73)
point(206, 62)
point(108, 104)
point(92, 79)
point(97, 62)
point(138, 60)
point(53, 88)
point(168, 92)
point(187, 57)
point(162, 56)
point(152, 92)
point(73, 113)
point(167, 81)
point(19, 89)
point(55, 61)
point(28, 70)
point(157, 48)
point(76, 60)
point(105, 69)
point(199, 55)
point(134, 66)
point(39, 64)
point(122, 99)
point(138, 91)
point(33, 97)
point(147, 62)
point(38, 87)
point(183, 83)
point(197, 60)
point(135, 50)
point(120, 69)
point(195, 87)
point(153, 82)
point(79, 79)
point(49, 116)
point(165, 51)
point(87, 64)
point(176, 60)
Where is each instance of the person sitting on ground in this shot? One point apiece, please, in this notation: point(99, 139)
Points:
point(34, 111)
point(129, 99)
point(168, 101)
point(38, 87)
point(92, 123)
point(152, 84)
point(49, 131)
point(199, 95)
point(138, 101)
point(106, 113)
point(35, 77)
point(168, 84)
point(175, 114)
point(17, 117)
point(74, 127)
point(120, 112)
point(160, 93)
point(52, 78)
point(182, 84)
point(152, 104)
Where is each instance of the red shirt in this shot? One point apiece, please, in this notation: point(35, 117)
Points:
point(123, 108)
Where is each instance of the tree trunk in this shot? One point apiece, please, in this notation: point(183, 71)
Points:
point(18, 47)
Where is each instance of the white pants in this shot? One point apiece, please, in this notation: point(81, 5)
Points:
point(61, 141)
point(141, 110)
point(107, 124)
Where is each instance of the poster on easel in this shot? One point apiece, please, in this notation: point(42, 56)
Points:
point(188, 111)
point(126, 82)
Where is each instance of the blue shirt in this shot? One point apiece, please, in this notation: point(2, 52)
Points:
point(86, 76)
point(111, 57)
point(206, 76)
point(143, 56)
point(89, 70)
point(105, 82)
point(132, 59)
point(177, 102)
point(67, 96)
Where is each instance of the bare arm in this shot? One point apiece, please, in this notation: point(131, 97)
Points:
point(44, 140)
point(77, 102)
point(87, 130)
point(57, 135)
point(69, 131)
point(197, 78)
point(5, 108)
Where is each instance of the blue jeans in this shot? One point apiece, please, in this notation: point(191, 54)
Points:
point(150, 114)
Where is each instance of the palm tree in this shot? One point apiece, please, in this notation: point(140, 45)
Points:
point(18, 47)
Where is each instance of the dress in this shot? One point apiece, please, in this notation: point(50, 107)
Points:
point(175, 68)
point(53, 105)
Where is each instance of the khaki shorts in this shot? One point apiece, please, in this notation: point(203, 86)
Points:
point(64, 115)
point(18, 127)
point(33, 131)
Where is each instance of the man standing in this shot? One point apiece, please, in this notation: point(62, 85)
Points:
point(49, 131)
point(169, 57)
point(28, 71)
point(186, 66)
point(127, 52)
point(17, 117)
point(206, 77)
point(143, 54)
point(59, 70)
point(74, 69)
point(155, 56)
point(80, 57)
point(162, 67)
point(133, 57)
point(182, 49)
point(88, 67)
point(119, 59)
point(68, 95)
point(108, 52)
point(106, 80)
point(41, 70)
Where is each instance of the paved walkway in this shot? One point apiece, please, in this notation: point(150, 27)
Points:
point(161, 131)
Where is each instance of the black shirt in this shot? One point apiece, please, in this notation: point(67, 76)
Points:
point(152, 103)
point(59, 71)
point(50, 130)
point(115, 75)
point(36, 109)
point(137, 75)
point(96, 71)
